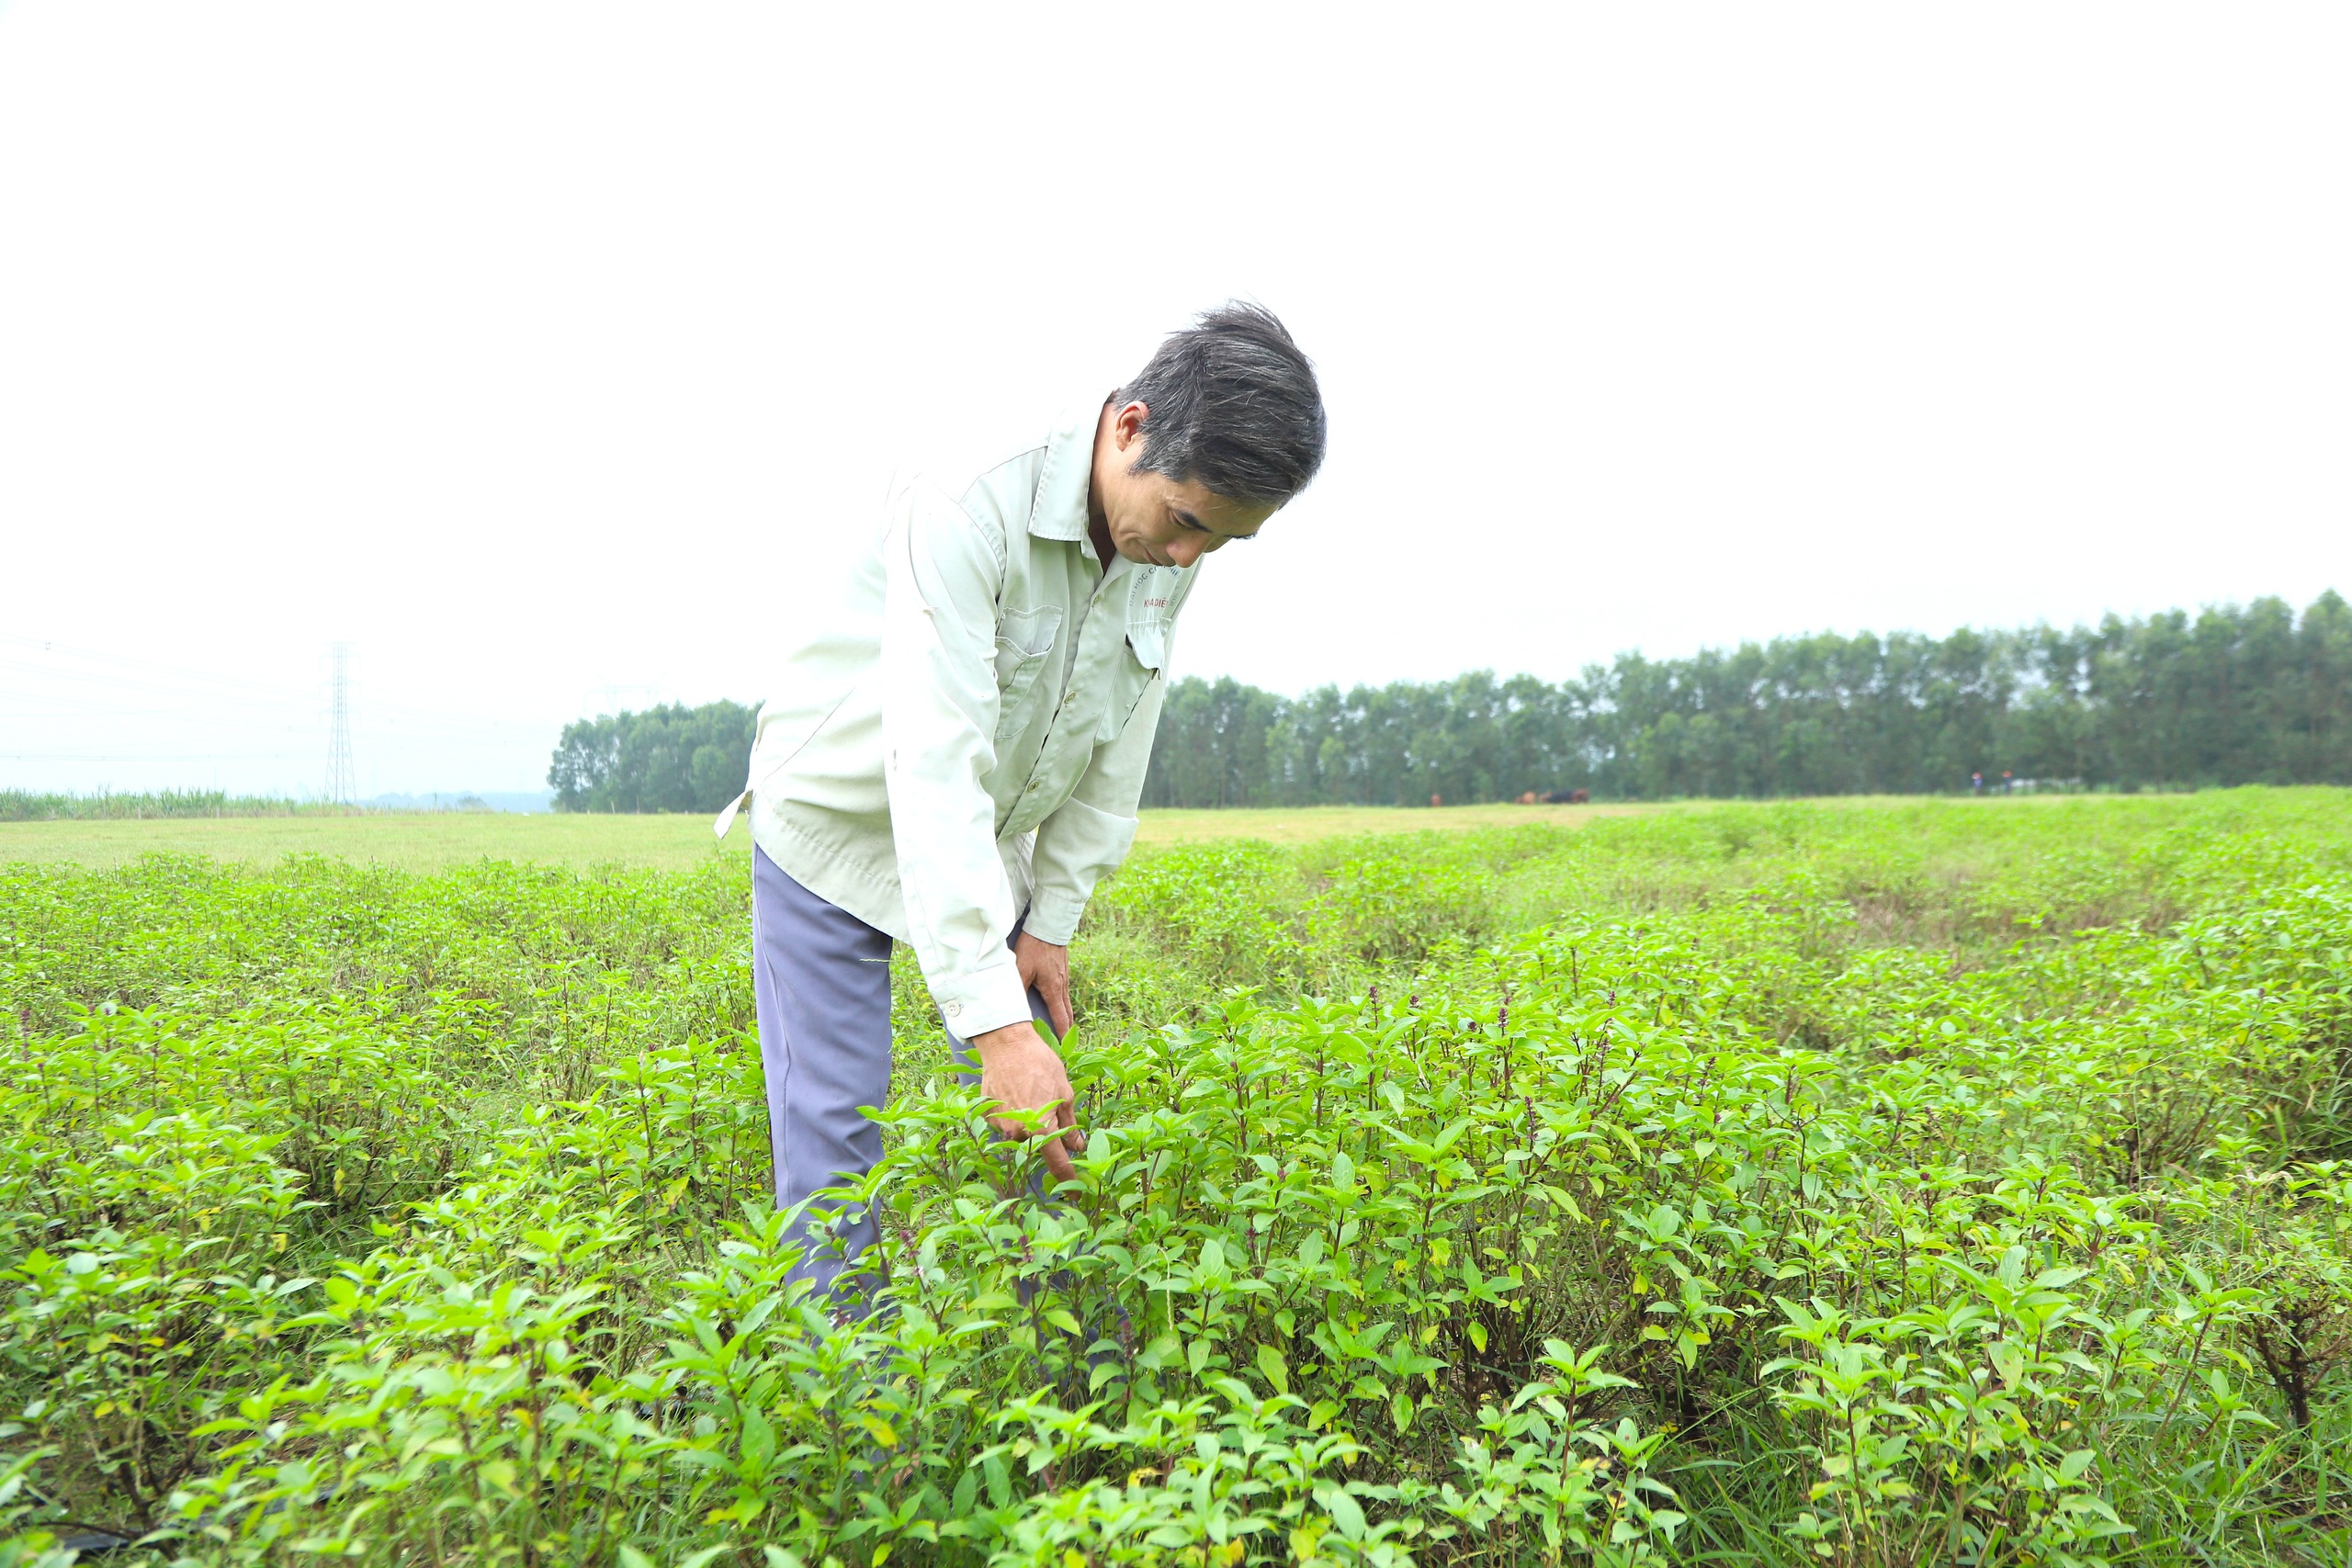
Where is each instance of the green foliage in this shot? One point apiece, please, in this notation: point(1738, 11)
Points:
point(2232, 696)
point(28, 806)
point(672, 758)
point(1875, 1185)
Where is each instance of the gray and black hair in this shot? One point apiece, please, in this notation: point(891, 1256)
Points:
point(1231, 403)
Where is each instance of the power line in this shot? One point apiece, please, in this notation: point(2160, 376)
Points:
point(179, 671)
point(289, 704)
point(87, 702)
point(156, 756)
point(151, 688)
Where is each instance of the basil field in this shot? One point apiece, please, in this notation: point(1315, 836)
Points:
point(1864, 1183)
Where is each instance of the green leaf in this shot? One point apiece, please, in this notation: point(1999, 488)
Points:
point(1277, 1369)
point(758, 1442)
point(1347, 1514)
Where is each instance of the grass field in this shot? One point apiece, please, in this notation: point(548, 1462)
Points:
point(430, 841)
point(410, 842)
point(1880, 1184)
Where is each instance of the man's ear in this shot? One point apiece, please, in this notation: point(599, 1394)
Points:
point(1126, 425)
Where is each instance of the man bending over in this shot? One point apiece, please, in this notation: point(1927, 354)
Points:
point(956, 751)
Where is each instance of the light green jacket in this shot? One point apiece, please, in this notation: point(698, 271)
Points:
point(965, 736)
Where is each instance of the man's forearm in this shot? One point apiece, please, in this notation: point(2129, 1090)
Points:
point(939, 699)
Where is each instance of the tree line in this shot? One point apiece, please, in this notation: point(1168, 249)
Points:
point(2231, 695)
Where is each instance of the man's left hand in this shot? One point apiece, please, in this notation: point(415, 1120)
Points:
point(1045, 967)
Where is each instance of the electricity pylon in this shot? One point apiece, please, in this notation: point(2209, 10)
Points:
point(341, 789)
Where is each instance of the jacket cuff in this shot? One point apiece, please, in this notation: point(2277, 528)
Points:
point(988, 998)
point(1054, 914)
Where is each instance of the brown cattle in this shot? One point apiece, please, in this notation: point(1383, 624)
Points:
point(1528, 799)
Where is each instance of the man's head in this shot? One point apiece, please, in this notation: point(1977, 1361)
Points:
point(1223, 427)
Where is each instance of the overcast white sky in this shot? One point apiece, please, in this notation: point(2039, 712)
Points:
point(544, 352)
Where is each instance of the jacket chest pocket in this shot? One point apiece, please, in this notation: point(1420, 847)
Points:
point(1140, 664)
point(1024, 640)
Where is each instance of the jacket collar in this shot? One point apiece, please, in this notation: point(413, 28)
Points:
point(1059, 510)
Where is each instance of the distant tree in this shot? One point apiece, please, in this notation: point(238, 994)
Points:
point(672, 757)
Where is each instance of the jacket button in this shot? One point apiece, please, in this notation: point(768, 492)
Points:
point(954, 1010)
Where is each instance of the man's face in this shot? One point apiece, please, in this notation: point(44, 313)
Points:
point(1151, 518)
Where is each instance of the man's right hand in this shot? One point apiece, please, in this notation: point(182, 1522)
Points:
point(1020, 1071)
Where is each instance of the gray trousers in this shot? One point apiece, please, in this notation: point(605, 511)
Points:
point(821, 983)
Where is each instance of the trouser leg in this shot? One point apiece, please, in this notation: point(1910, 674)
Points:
point(822, 980)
